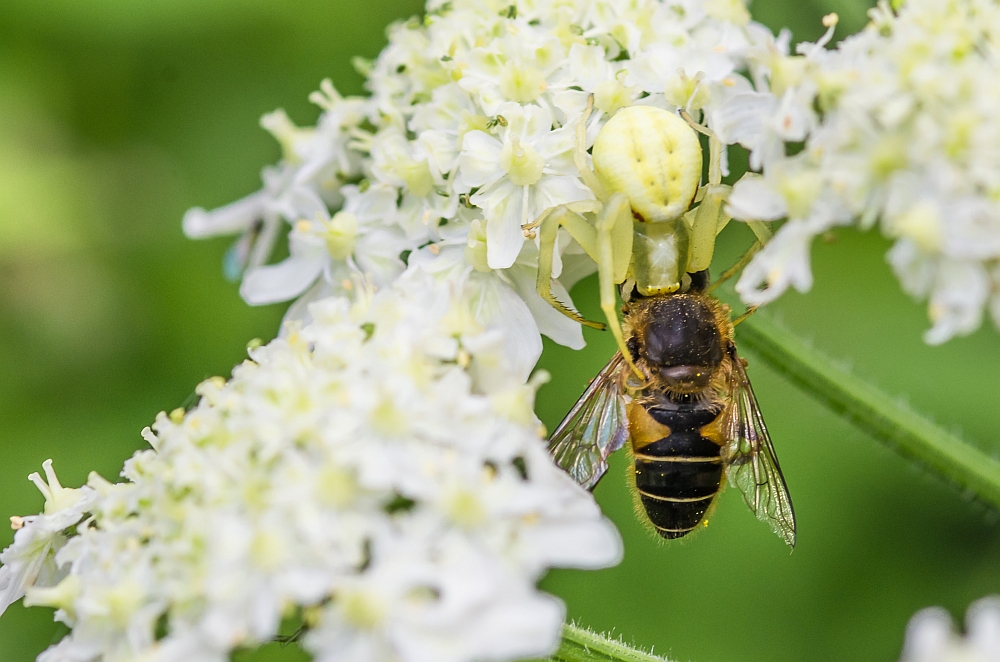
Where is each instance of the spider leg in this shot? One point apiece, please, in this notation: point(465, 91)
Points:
point(614, 243)
point(580, 154)
point(547, 227)
point(710, 217)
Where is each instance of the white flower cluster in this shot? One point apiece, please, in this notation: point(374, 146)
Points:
point(375, 474)
point(930, 636)
point(897, 126)
point(468, 134)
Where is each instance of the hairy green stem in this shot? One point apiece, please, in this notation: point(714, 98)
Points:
point(910, 434)
point(581, 645)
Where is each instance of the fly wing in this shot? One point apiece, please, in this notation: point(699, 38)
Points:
point(237, 258)
point(594, 428)
point(751, 463)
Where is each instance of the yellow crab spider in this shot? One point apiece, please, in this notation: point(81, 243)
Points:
point(646, 176)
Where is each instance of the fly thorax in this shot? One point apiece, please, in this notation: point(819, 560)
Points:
point(681, 343)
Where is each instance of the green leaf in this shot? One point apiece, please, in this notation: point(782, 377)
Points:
point(907, 432)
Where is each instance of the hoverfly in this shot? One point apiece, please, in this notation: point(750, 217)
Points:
point(692, 422)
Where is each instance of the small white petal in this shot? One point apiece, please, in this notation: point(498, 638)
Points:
point(230, 219)
point(505, 311)
point(928, 636)
point(550, 321)
point(479, 162)
point(753, 199)
point(281, 282)
point(783, 262)
point(503, 207)
point(956, 303)
point(746, 119)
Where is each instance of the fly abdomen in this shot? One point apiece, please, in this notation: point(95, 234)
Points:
point(678, 475)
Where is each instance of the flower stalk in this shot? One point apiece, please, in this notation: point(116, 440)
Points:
point(907, 432)
point(582, 645)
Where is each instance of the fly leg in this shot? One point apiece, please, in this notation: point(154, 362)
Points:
point(737, 266)
point(742, 318)
point(762, 231)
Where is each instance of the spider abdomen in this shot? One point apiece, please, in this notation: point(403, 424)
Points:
point(653, 157)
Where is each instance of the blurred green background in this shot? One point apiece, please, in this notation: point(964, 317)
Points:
point(117, 115)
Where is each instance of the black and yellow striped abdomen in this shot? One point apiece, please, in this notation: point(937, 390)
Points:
point(678, 470)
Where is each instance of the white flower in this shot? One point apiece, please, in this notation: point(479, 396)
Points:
point(315, 163)
point(31, 560)
point(442, 124)
point(357, 239)
point(327, 158)
point(520, 67)
point(592, 73)
point(783, 262)
point(930, 636)
point(763, 123)
point(906, 137)
point(405, 165)
point(685, 76)
point(506, 299)
point(527, 170)
point(257, 217)
point(377, 471)
point(792, 190)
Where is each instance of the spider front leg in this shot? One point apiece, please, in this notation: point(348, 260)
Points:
point(614, 254)
point(580, 154)
point(708, 220)
point(546, 227)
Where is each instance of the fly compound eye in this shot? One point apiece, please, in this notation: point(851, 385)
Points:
point(651, 156)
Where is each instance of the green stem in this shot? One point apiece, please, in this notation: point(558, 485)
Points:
point(580, 645)
point(892, 423)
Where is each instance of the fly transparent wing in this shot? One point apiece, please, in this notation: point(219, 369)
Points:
point(751, 463)
point(594, 428)
point(237, 258)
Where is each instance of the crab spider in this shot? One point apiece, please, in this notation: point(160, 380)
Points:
point(646, 176)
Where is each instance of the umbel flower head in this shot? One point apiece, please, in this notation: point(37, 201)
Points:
point(376, 474)
point(468, 134)
point(900, 130)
